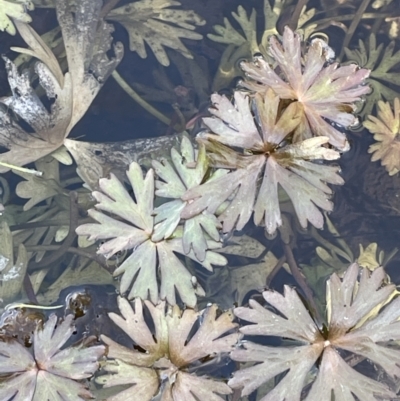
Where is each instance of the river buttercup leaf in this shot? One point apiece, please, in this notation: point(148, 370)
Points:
point(187, 170)
point(153, 22)
point(381, 59)
point(14, 9)
point(324, 91)
point(351, 327)
point(386, 130)
point(48, 371)
point(153, 269)
point(258, 127)
point(72, 93)
point(174, 341)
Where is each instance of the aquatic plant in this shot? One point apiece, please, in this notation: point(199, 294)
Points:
point(259, 128)
point(323, 90)
point(361, 320)
point(12, 270)
point(244, 43)
point(189, 171)
point(49, 372)
point(86, 46)
point(262, 151)
point(153, 256)
point(169, 348)
point(381, 60)
point(386, 131)
point(154, 22)
point(14, 10)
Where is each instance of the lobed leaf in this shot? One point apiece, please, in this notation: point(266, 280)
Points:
point(152, 270)
point(386, 129)
point(170, 348)
point(72, 92)
point(260, 128)
point(361, 317)
point(188, 170)
point(323, 91)
point(49, 373)
point(154, 23)
point(14, 10)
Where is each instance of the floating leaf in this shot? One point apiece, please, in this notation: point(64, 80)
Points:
point(188, 171)
point(151, 260)
point(170, 348)
point(49, 373)
point(72, 92)
point(322, 92)
point(260, 136)
point(349, 302)
point(386, 131)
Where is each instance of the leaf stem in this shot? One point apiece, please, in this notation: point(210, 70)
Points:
point(294, 20)
point(76, 251)
point(138, 99)
point(301, 281)
point(107, 8)
point(22, 169)
point(353, 26)
point(74, 214)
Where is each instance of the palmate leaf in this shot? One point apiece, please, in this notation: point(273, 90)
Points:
point(50, 373)
point(188, 171)
point(72, 92)
point(170, 348)
point(323, 92)
point(358, 322)
point(152, 261)
point(273, 11)
point(386, 131)
point(260, 136)
point(153, 22)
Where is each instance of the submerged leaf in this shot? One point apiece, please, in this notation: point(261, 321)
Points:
point(351, 327)
point(381, 60)
point(12, 272)
point(50, 372)
point(153, 22)
point(38, 189)
point(169, 350)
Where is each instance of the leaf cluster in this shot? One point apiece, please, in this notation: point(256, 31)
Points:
point(362, 320)
point(71, 94)
point(178, 341)
point(155, 235)
point(49, 372)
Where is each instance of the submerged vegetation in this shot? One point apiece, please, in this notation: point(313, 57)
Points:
point(148, 236)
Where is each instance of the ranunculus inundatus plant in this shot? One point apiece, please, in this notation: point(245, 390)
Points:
point(362, 319)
